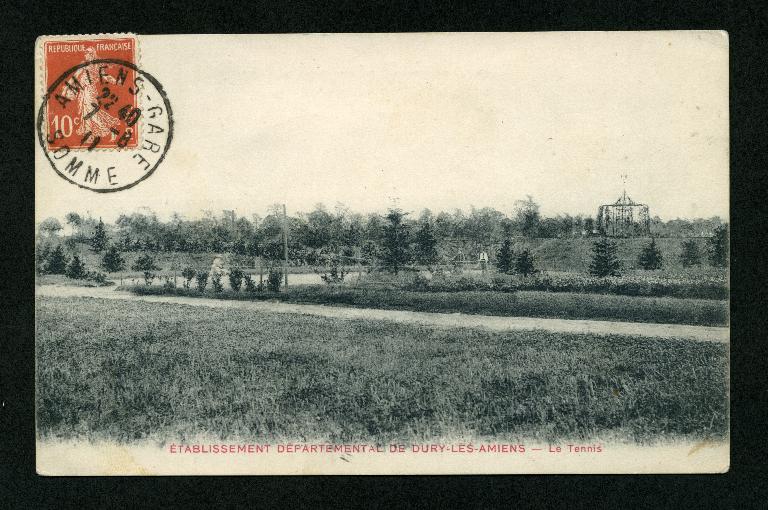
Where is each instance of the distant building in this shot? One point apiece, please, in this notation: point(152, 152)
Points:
point(623, 218)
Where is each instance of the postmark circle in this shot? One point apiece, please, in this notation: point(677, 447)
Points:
point(105, 125)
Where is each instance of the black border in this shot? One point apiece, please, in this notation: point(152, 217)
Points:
point(747, 25)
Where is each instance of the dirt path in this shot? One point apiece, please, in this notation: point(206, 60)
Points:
point(449, 320)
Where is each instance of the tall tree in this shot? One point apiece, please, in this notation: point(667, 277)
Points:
point(73, 219)
point(99, 239)
point(505, 257)
point(426, 244)
point(112, 261)
point(589, 225)
point(395, 241)
point(76, 268)
point(650, 257)
point(57, 261)
point(604, 259)
point(50, 227)
point(524, 263)
point(690, 255)
point(146, 264)
point(528, 217)
point(718, 247)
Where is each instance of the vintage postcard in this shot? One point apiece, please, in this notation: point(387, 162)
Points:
point(433, 253)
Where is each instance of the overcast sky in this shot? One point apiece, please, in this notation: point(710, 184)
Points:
point(442, 121)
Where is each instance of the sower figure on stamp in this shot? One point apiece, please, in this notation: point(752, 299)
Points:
point(93, 119)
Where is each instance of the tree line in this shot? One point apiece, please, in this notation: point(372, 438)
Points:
point(322, 233)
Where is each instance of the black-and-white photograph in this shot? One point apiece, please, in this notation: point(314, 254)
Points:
point(435, 253)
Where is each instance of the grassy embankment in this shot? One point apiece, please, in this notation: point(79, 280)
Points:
point(661, 310)
point(129, 370)
point(61, 280)
point(574, 255)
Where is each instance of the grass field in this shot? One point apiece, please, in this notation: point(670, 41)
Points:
point(561, 305)
point(130, 370)
point(61, 280)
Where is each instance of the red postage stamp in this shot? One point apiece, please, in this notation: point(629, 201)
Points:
point(92, 97)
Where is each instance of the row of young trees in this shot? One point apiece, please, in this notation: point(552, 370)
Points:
point(399, 247)
point(605, 261)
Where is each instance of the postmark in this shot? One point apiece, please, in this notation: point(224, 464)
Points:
point(104, 124)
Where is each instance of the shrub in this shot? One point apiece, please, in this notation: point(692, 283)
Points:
point(149, 276)
point(505, 257)
point(202, 280)
point(42, 253)
point(420, 282)
point(188, 274)
point(146, 264)
point(216, 282)
point(650, 257)
point(335, 273)
point(395, 242)
point(112, 261)
point(99, 239)
point(718, 247)
point(524, 263)
point(604, 259)
point(96, 276)
point(274, 278)
point(457, 265)
point(690, 254)
point(76, 269)
point(57, 261)
point(236, 279)
point(426, 245)
point(250, 286)
point(169, 283)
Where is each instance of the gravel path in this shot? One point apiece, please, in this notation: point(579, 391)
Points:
point(447, 320)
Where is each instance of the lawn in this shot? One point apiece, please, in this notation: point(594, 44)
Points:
point(61, 280)
point(127, 370)
point(663, 310)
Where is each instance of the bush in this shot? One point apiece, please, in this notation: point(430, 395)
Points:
point(96, 276)
point(505, 257)
point(274, 278)
point(335, 274)
point(76, 269)
point(718, 247)
point(146, 264)
point(236, 279)
point(650, 258)
point(420, 282)
point(522, 304)
point(690, 254)
point(169, 283)
point(250, 285)
point(202, 280)
point(524, 263)
point(42, 252)
point(112, 261)
point(188, 274)
point(57, 261)
point(395, 241)
point(604, 259)
point(651, 285)
point(99, 239)
point(216, 282)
